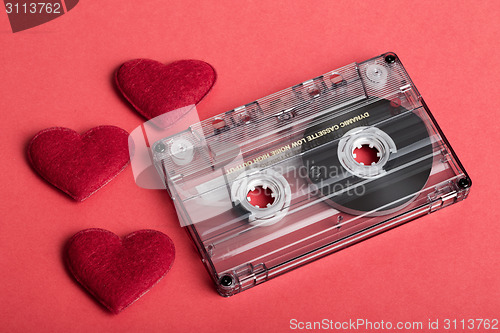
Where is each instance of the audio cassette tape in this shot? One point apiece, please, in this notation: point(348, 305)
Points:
point(274, 184)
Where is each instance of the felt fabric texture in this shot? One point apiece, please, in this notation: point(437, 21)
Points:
point(118, 272)
point(154, 89)
point(79, 165)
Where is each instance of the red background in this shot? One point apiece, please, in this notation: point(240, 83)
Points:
point(445, 265)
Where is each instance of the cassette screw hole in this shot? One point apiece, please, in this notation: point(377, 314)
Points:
point(226, 281)
point(464, 182)
point(366, 155)
point(336, 79)
point(218, 123)
point(313, 92)
point(160, 148)
point(260, 197)
point(395, 102)
point(390, 58)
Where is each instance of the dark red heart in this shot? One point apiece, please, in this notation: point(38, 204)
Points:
point(154, 89)
point(118, 272)
point(79, 165)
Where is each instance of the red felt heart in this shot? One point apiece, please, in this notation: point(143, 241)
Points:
point(79, 165)
point(118, 272)
point(154, 89)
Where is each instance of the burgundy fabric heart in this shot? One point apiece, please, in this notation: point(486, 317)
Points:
point(79, 165)
point(118, 272)
point(154, 89)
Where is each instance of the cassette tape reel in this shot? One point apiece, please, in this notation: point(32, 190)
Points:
point(314, 168)
point(398, 172)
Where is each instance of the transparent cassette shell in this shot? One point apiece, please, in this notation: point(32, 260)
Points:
point(297, 147)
